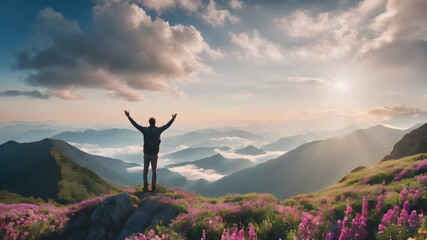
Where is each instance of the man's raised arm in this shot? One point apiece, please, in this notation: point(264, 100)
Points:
point(136, 125)
point(167, 125)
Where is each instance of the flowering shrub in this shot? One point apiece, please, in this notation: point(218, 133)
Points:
point(420, 166)
point(21, 221)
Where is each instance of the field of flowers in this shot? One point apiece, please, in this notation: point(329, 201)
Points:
point(386, 201)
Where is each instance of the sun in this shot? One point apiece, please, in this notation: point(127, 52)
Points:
point(342, 86)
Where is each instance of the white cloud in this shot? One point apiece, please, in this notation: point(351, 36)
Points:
point(268, 155)
point(135, 169)
point(192, 172)
point(370, 25)
point(210, 13)
point(254, 47)
point(233, 142)
point(108, 151)
point(216, 16)
point(310, 80)
point(236, 4)
point(122, 50)
point(160, 6)
point(388, 112)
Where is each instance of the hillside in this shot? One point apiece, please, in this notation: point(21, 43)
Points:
point(385, 201)
point(412, 143)
point(33, 170)
point(310, 167)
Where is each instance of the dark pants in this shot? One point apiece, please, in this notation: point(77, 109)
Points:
point(147, 159)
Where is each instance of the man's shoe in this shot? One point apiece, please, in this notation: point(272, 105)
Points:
point(153, 189)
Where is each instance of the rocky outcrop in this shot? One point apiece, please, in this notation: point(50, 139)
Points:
point(118, 217)
point(412, 143)
point(109, 217)
point(150, 211)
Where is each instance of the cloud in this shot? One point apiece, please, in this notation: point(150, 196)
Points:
point(216, 16)
point(160, 6)
point(210, 13)
point(30, 94)
point(233, 142)
point(122, 50)
point(371, 26)
point(389, 112)
point(135, 169)
point(253, 46)
point(192, 172)
point(236, 4)
point(108, 151)
point(268, 155)
point(309, 80)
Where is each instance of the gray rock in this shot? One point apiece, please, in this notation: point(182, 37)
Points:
point(151, 210)
point(109, 217)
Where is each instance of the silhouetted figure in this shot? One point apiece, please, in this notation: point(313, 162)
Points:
point(151, 146)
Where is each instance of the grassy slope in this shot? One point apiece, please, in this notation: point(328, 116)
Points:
point(78, 183)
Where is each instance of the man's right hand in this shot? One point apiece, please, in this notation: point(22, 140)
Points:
point(127, 113)
point(174, 115)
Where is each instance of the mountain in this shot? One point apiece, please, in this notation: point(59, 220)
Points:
point(291, 142)
point(287, 143)
point(193, 154)
point(218, 163)
point(309, 167)
point(412, 143)
point(250, 150)
point(46, 172)
point(110, 169)
point(113, 137)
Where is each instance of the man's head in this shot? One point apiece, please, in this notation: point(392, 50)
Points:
point(152, 121)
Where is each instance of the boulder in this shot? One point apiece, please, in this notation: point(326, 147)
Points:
point(109, 217)
point(150, 210)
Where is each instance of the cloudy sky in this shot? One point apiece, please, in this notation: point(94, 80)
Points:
point(294, 64)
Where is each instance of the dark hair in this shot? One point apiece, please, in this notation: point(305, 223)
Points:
point(152, 121)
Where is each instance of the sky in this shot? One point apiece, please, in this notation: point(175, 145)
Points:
point(293, 65)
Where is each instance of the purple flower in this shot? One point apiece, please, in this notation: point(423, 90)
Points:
point(413, 219)
point(365, 208)
point(421, 166)
point(422, 178)
point(331, 236)
point(379, 206)
point(401, 175)
point(401, 220)
point(403, 194)
point(406, 206)
point(365, 181)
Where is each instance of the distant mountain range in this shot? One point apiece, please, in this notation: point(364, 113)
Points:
point(309, 167)
point(113, 137)
point(193, 154)
point(291, 142)
point(218, 163)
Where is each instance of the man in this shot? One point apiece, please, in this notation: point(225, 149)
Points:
point(151, 146)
